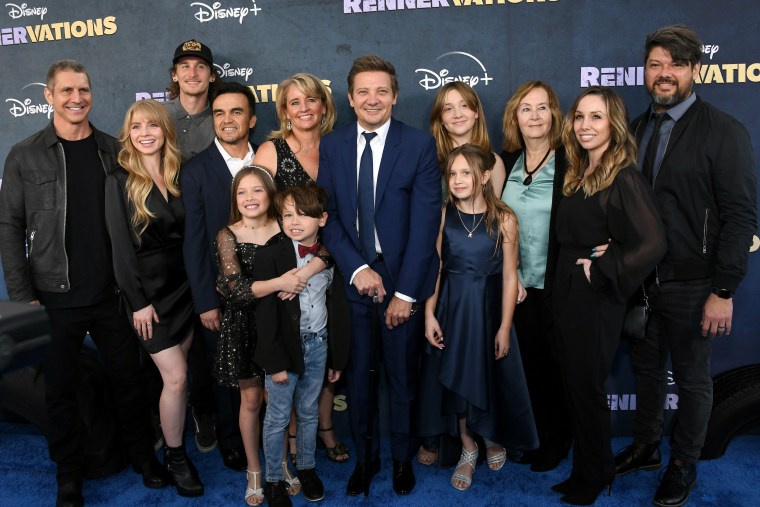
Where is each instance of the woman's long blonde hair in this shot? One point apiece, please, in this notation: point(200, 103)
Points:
point(139, 182)
point(620, 153)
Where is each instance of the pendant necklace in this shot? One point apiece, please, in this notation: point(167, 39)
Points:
point(475, 226)
point(529, 179)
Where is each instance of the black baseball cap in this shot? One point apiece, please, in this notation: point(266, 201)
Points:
point(193, 48)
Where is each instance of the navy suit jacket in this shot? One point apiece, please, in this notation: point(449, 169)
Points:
point(407, 207)
point(206, 185)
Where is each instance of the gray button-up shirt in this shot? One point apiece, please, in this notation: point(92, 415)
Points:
point(194, 132)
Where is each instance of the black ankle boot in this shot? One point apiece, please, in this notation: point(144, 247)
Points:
point(181, 472)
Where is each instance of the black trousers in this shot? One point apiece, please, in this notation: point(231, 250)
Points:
point(539, 347)
point(119, 349)
point(589, 323)
point(226, 399)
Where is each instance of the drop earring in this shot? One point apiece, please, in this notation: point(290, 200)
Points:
point(289, 126)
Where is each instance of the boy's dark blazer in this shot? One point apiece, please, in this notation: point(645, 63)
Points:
point(278, 322)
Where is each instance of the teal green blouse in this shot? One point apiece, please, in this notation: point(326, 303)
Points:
point(532, 204)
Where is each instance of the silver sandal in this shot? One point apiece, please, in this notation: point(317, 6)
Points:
point(467, 458)
point(257, 493)
point(294, 485)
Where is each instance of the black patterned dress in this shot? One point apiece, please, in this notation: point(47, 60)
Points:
point(290, 172)
point(237, 343)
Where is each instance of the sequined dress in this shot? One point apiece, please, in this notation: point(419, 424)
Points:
point(237, 343)
point(290, 172)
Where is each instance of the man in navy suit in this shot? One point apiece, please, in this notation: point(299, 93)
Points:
point(206, 181)
point(381, 230)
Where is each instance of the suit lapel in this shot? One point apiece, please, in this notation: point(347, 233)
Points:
point(350, 156)
point(388, 162)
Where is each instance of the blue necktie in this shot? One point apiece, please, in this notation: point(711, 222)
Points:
point(366, 201)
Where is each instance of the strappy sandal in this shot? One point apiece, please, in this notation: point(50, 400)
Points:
point(427, 456)
point(294, 485)
point(292, 454)
point(340, 449)
point(467, 458)
point(495, 462)
point(254, 496)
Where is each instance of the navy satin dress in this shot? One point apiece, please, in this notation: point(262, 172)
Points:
point(464, 377)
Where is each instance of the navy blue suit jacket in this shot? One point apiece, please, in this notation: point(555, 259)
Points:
point(407, 207)
point(206, 185)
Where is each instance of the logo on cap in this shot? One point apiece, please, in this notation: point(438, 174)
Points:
point(191, 45)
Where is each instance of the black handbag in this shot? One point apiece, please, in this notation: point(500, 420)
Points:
point(636, 316)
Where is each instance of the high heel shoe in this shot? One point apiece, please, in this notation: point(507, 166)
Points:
point(294, 485)
point(340, 449)
point(467, 458)
point(584, 493)
point(255, 495)
point(565, 487)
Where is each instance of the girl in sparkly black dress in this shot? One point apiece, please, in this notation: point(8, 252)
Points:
point(253, 225)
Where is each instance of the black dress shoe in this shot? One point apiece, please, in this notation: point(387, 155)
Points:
point(234, 458)
point(403, 477)
point(154, 475)
point(356, 481)
point(276, 495)
point(69, 495)
point(675, 486)
point(638, 457)
point(311, 485)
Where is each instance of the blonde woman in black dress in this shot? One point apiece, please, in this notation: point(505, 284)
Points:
point(145, 219)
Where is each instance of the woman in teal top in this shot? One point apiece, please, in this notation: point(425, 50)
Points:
point(535, 163)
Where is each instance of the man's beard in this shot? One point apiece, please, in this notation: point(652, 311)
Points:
point(669, 101)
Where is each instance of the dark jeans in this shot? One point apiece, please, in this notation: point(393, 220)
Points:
point(674, 330)
point(119, 349)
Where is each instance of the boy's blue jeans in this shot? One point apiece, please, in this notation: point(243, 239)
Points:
point(303, 390)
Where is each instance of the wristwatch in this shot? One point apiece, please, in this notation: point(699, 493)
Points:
point(722, 293)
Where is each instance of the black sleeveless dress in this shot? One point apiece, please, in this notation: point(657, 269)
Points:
point(290, 172)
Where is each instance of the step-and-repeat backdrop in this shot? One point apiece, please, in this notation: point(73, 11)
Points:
point(494, 45)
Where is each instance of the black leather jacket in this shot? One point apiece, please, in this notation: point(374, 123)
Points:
point(33, 213)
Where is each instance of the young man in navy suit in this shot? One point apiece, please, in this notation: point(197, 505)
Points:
point(381, 230)
point(205, 181)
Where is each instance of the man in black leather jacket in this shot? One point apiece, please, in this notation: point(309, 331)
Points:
point(699, 161)
point(56, 252)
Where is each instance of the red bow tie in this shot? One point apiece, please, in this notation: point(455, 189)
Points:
point(303, 251)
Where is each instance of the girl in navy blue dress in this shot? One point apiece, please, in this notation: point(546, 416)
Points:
point(472, 374)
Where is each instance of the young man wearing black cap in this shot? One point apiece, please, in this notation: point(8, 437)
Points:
point(193, 82)
point(193, 77)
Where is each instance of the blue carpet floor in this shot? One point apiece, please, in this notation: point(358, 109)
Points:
point(27, 478)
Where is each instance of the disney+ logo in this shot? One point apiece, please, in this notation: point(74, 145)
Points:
point(470, 70)
point(23, 107)
point(215, 11)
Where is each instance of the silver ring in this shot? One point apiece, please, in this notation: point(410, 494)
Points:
point(149, 325)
